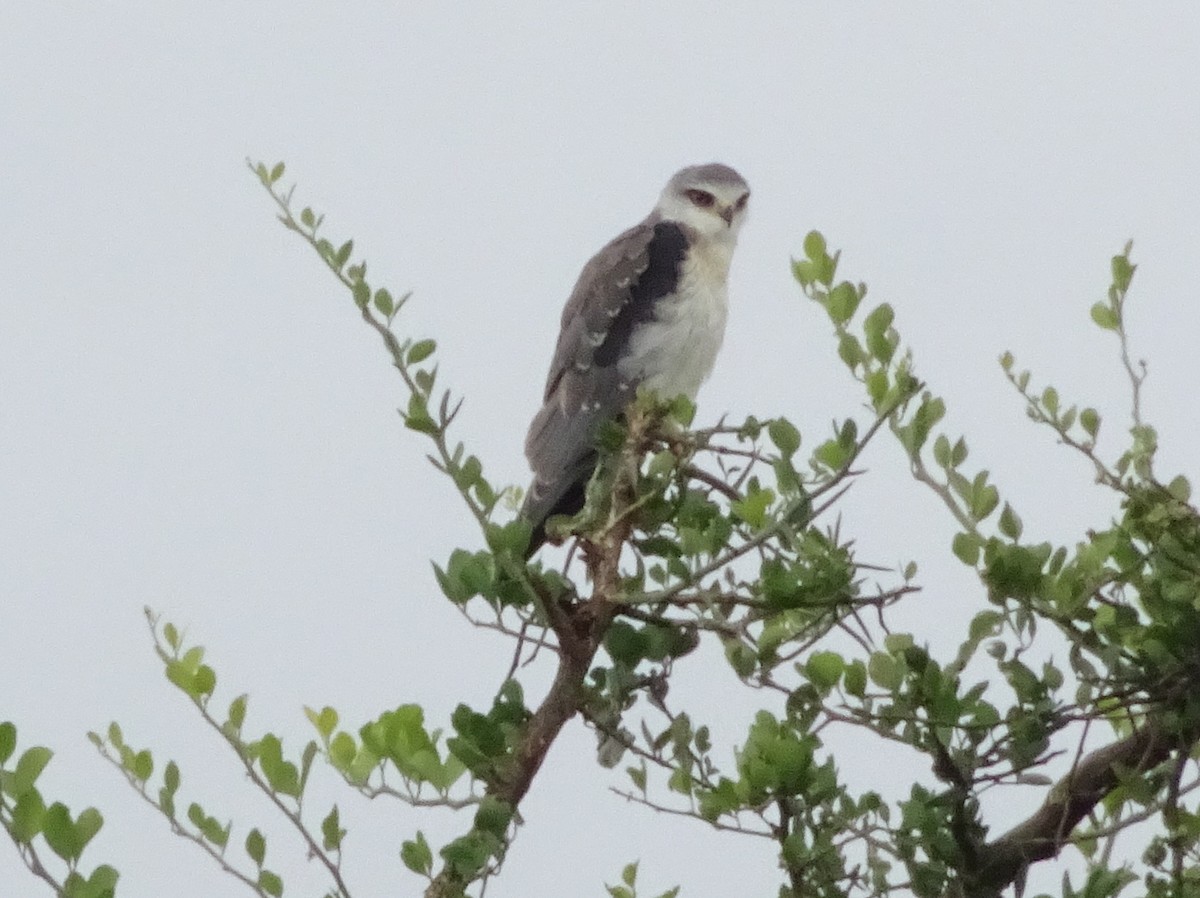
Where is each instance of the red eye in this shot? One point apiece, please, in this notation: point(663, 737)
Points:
point(701, 198)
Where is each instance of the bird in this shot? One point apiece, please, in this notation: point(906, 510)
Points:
point(648, 310)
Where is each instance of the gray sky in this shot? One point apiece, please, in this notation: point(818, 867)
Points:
point(192, 417)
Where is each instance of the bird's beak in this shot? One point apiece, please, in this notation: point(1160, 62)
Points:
point(727, 214)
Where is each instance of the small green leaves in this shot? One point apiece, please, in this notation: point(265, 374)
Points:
point(400, 737)
point(29, 767)
point(1010, 523)
point(8, 741)
point(282, 775)
point(1122, 270)
point(824, 669)
point(814, 245)
point(753, 508)
point(886, 671)
point(842, 303)
point(417, 855)
point(187, 672)
point(882, 340)
point(467, 574)
point(966, 547)
point(325, 720)
point(784, 435)
point(420, 351)
point(166, 795)
point(417, 417)
point(256, 847)
point(835, 454)
point(818, 267)
point(236, 716)
point(1105, 316)
point(67, 837)
point(332, 832)
point(208, 826)
point(384, 303)
point(270, 883)
point(1180, 489)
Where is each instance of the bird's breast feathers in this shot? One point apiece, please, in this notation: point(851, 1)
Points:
point(674, 353)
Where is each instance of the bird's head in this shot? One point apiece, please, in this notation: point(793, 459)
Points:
point(711, 199)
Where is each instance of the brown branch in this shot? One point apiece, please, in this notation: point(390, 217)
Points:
point(579, 628)
point(1071, 799)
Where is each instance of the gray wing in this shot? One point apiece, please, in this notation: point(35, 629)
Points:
point(580, 394)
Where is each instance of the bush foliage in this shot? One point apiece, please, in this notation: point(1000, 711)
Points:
point(725, 534)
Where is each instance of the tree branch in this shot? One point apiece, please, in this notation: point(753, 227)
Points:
point(1072, 798)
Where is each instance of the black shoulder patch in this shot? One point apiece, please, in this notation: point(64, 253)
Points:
point(666, 251)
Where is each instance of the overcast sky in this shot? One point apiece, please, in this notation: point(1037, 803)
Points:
point(193, 418)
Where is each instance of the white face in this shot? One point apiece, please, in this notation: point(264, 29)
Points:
point(716, 209)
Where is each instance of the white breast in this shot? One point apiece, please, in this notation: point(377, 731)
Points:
point(674, 354)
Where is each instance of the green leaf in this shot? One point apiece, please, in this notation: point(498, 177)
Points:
point(824, 669)
point(256, 847)
point(941, 450)
point(282, 775)
point(629, 874)
point(1089, 419)
point(1010, 523)
point(142, 766)
point(417, 417)
point(814, 246)
point(59, 832)
point(361, 291)
point(204, 682)
point(842, 302)
point(753, 508)
point(886, 671)
point(237, 713)
point(270, 883)
point(331, 831)
point(8, 741)
point(683, 410)
point(325, 720)
point(277, 172)
point(383, 302)
point(740, 657)
point(30, 766)
point(985, 624)
point(785, 436)
point(421, 350)
point(1105, 316)
point(27, 815)
point(1180, 489)
point(876, 326)
point(1122, 272)
point(803, 271)
point(855, 682)
point(417, 856)
point(850, 351)
point(966, 547)
point(103, 882)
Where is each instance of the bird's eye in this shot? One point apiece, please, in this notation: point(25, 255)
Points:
point(741, 203)
point(701, 198)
